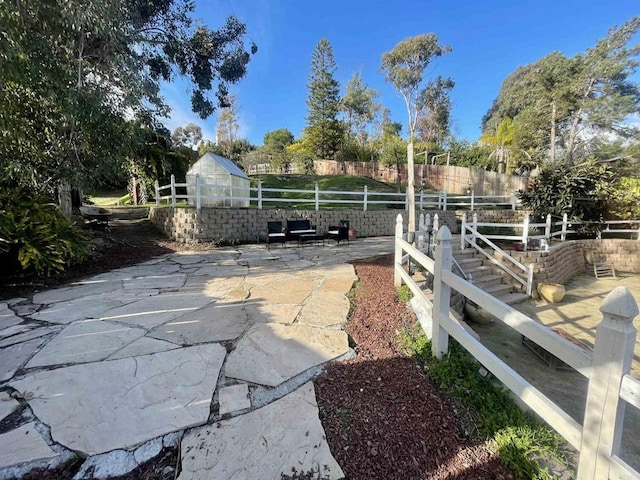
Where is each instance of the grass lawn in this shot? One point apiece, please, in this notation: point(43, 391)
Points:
point(105, 197)
point(346, 183)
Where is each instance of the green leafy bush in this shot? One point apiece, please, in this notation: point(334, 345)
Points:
point(625, 201)
point(35, 236)
point(581, 191)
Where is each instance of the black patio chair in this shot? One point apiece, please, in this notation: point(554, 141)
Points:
point(340, 232)
point(275, 234)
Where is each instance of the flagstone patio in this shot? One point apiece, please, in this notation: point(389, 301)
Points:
point(217, 346)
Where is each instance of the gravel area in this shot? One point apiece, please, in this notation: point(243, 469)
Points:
point(382, 416)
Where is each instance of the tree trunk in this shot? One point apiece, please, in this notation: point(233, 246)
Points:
point(64, 198)
point(553, 134)
point(411, 193)
point(572, 137)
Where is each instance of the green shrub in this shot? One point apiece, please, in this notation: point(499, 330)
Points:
point(404, 294)
point(625, 201)
point(581, 191)
point(35, 235)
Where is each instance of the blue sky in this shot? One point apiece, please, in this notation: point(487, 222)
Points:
point(490, 39)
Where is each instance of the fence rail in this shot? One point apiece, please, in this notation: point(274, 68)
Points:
point(607, 368)
point(545, 232)
point(259, 196)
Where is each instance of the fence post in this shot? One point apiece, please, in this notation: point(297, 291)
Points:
point(406, 200)
point(612, 356)
point(475, 227)
point(563, 237)
point(397, 262)
point(259, 195)
point(317, 197)
point(434, 230)
point(420, 239)
point(444, 204)
point(513, 200)
point(547, 229)
point(421, 194)
point(525, 230)
point(173, 191)
point(473, 199)
point(157, 184)
point(364, 203)
point(427, 229)
point(463, 230)
point(198, 199)
point(441, 293)
point(530, 279)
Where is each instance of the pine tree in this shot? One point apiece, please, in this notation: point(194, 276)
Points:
point(324, 131)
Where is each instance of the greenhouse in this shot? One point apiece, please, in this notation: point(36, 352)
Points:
point(222, 182)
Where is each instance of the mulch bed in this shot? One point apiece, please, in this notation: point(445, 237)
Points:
point(382, 417)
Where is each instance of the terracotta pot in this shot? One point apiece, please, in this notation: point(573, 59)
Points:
point(551, 292)
point(478, 314)
point(352, 234)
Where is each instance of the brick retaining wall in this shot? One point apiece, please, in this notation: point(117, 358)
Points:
point(224, 225)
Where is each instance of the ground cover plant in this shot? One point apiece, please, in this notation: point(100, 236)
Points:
point(35, 236)
point(517, 436)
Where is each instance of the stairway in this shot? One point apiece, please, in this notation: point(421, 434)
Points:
point(487, 276)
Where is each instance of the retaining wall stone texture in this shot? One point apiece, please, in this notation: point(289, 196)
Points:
point(224, 225)
point(567, 259)
point(623, 254)
point(558, 265)
point(494, 216)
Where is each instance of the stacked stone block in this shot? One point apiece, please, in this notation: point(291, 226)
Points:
point(624, 254)
point(225, 225)
point(494, 216)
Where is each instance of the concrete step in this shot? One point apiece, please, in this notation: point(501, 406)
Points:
point(487, 280)
point(469, 263)
point(498, 289)
point(467, 254)
point(479, 271)
point(512, 298)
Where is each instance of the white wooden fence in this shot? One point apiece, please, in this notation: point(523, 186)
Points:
point(549, 230)
point(258, 196)
point(607, 368)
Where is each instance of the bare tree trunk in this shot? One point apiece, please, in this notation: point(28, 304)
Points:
point(64, 198)
point(411, 192)
point(572, 137)
point(553, 134)
point(574, 125)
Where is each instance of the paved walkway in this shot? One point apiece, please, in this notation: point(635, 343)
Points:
point(214, 351)
point(579, 315)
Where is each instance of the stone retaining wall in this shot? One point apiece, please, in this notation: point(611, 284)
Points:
point(623, 254)
point(567, 259)
point(558, 265)
point(495, 216)
point(224, 225)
